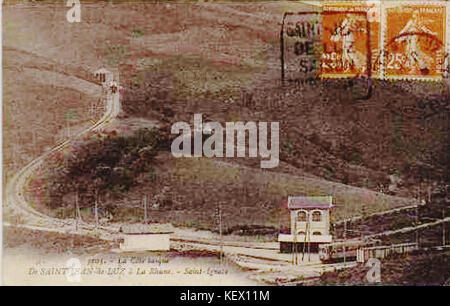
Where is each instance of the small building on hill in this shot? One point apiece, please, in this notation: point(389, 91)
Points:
point(146, 237)
point(310, 224)
point(103, 75)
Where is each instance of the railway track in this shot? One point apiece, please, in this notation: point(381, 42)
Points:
point(380, 213)
point(409, 228)
point(16, 203)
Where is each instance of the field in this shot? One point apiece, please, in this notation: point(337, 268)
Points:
point(220, 60)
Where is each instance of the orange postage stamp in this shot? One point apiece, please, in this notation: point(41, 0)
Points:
point(350, 39)
point(414, 45)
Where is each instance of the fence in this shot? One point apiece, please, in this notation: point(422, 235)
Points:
point(363, 254)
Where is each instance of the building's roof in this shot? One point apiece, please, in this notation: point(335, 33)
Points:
point(154, 228)
point(321, 202)
point(102, 70)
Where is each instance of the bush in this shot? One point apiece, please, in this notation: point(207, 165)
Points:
point(111, 165)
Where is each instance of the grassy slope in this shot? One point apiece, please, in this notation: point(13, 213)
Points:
point(420, 269)
point(193, 58)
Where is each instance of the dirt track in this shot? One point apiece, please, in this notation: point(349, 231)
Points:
point(16, 203)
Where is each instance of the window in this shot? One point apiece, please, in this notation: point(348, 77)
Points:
point(317, 216)
point(317, 233)
point(301, 216)
point(301, 233)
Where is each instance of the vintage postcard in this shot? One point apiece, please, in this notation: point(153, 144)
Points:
point(207, 143)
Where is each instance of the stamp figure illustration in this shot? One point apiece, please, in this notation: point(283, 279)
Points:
point(351, 39)
point(415, 41)
point(345, 43)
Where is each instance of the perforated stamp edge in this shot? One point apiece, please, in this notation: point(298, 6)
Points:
point(385, 5)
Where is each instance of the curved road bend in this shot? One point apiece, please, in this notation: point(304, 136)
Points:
point(15, 194)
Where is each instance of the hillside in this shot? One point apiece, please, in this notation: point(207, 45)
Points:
point(418, 269)
point(222, 60)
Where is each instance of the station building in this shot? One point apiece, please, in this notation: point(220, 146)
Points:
point(310, 224)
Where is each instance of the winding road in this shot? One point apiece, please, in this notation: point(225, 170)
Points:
point(17, 205)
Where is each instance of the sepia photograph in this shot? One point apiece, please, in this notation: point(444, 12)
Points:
point(225, 143)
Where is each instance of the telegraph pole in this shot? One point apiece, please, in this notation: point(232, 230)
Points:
point(77, 210)
point(443, 226)
point(96, 208)
point(417, 223)
point(145, 208)
point(345, 232)
point(345, 239)
point(220, 232)
point(218, 216)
